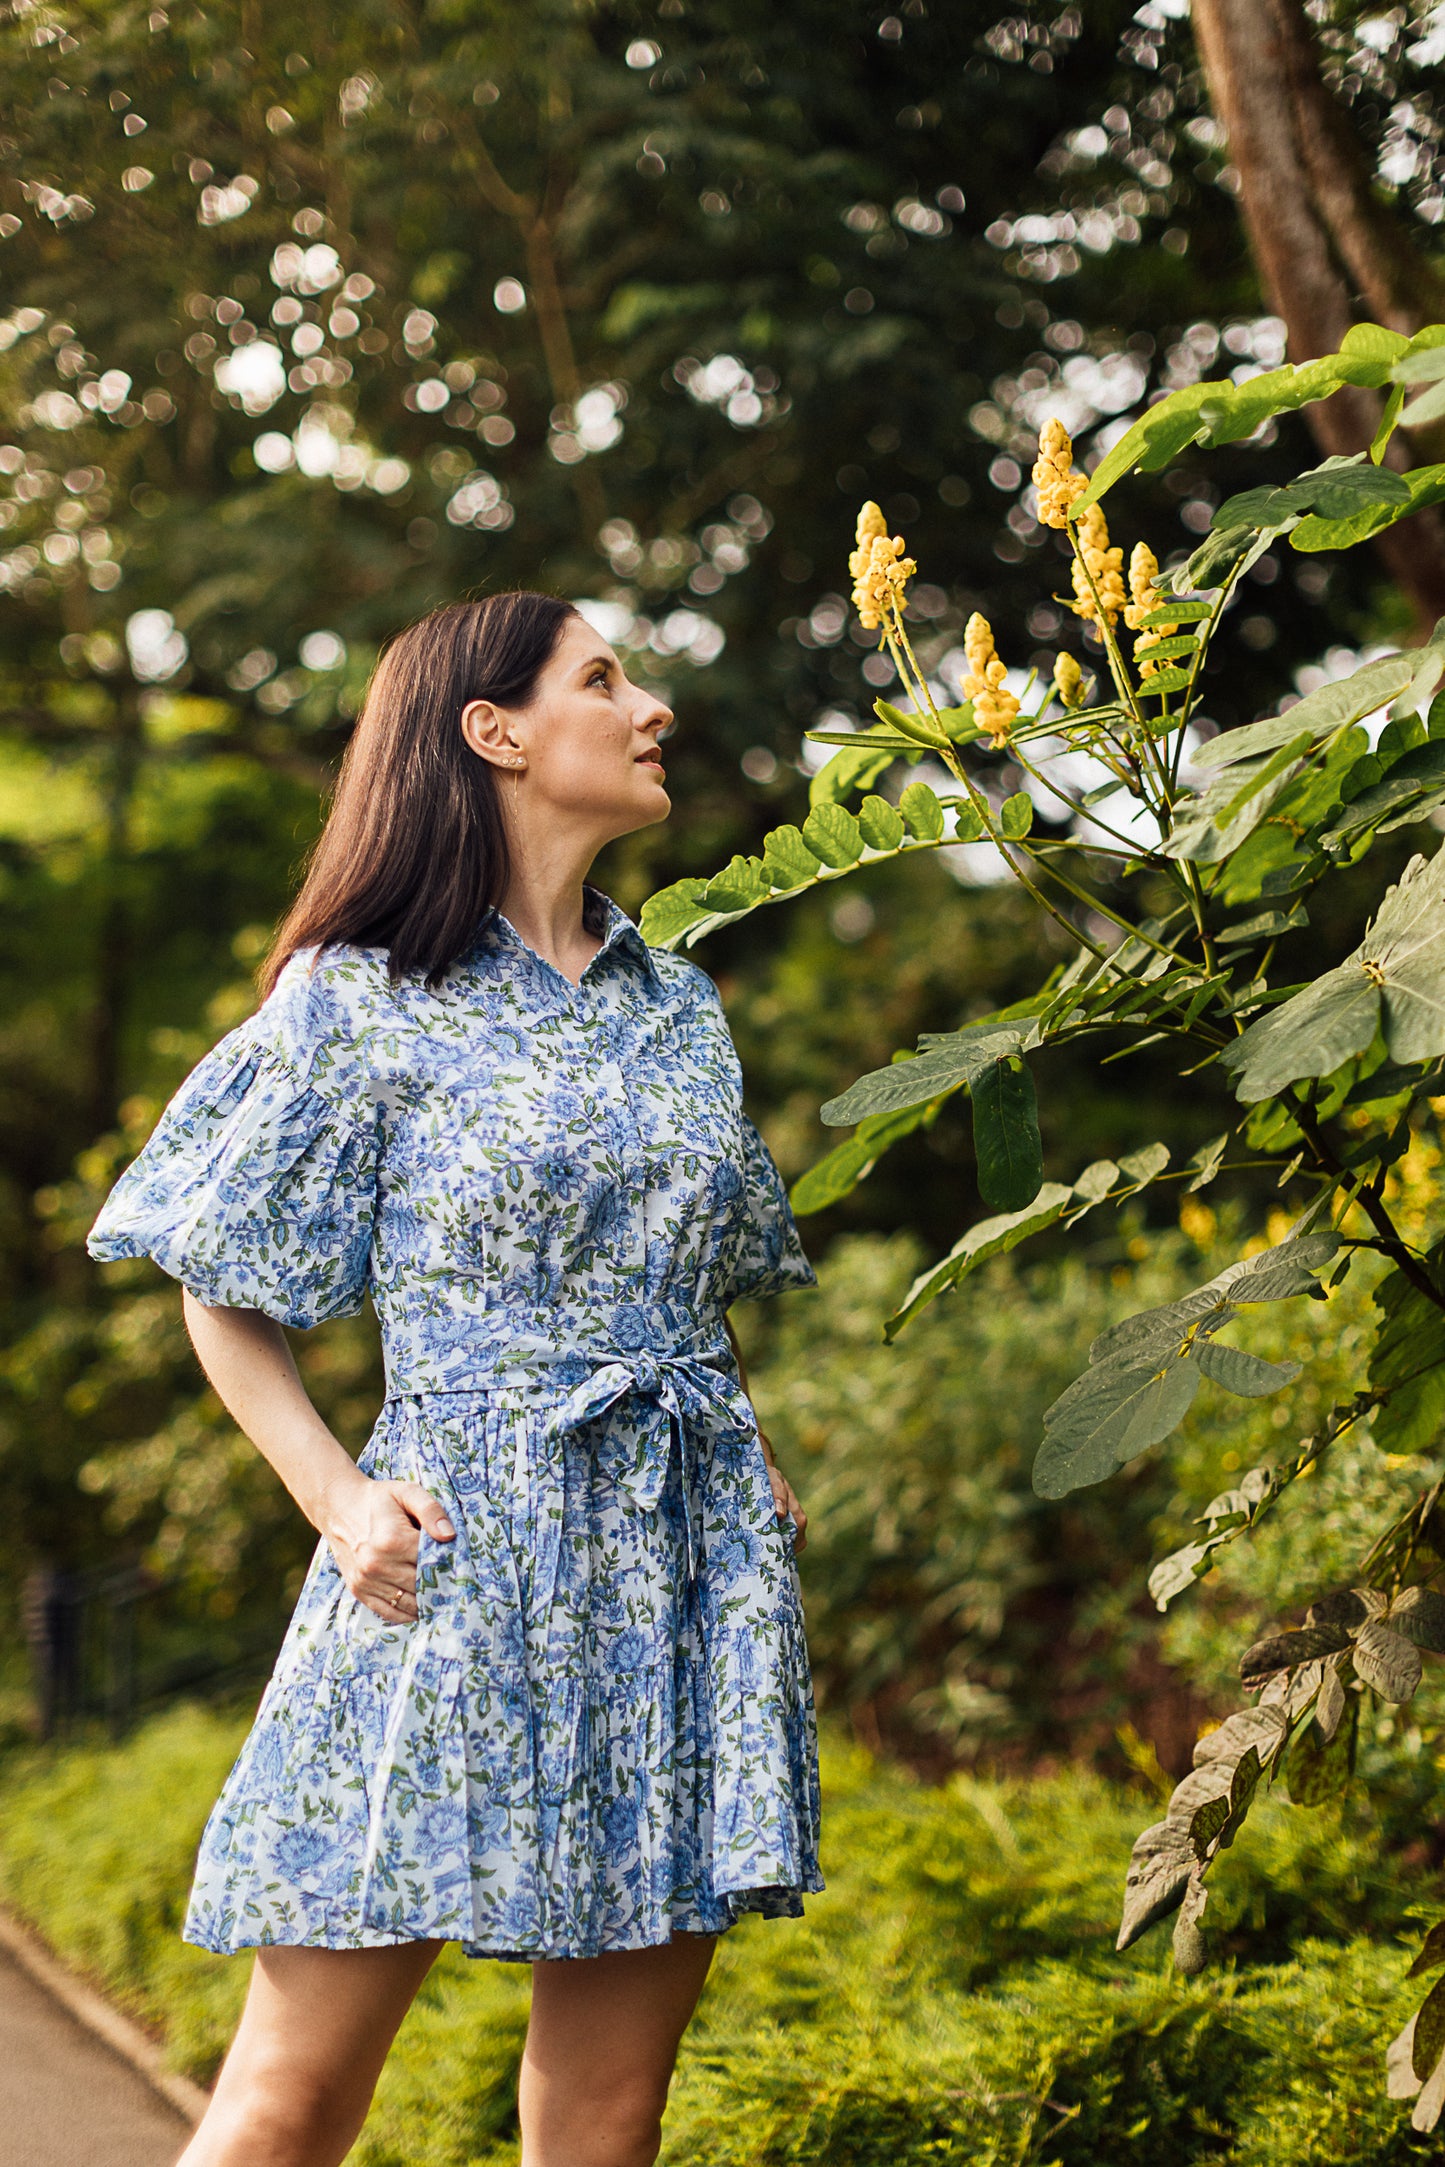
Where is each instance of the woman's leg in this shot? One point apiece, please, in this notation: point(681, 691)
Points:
point(295, 2087)
point(600, 2048)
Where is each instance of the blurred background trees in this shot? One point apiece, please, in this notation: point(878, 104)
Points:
point(316, 318)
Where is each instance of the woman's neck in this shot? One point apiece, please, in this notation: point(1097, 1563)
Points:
point(547, 907)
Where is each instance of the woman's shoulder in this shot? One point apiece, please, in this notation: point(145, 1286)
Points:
point(327, 1006)
point(683, 984)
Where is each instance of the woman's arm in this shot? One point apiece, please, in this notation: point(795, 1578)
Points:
point(785, 1497)
point(370, 1526)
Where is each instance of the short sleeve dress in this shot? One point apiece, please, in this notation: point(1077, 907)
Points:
point(599, 1731)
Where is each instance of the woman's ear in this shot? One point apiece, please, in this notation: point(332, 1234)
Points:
point(488, 731)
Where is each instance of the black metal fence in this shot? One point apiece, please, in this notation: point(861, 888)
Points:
point(110, 1644)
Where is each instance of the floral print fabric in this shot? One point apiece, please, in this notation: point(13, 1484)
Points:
point(599, 1732)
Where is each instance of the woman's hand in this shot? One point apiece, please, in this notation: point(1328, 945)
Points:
point(371, 1528)
point(786, 1502)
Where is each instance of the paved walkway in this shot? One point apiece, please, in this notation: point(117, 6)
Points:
point(66, 2100)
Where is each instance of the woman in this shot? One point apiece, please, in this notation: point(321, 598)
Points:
point(545, 1692)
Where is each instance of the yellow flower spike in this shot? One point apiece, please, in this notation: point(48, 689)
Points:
point(1069, 681)
point(994, 706)
point(870, 524)
point(1054, 475)
point(1105, 566)
point(1143, 571)
point(880, 571)
point(978, 652)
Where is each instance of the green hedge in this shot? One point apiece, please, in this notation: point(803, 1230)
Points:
point(954, 1997)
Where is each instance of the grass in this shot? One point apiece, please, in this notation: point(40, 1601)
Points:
point(954, 1997)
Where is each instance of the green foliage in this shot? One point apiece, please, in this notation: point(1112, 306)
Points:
point(950, 1997)
point(1334, 1066)
point(1143, 1374)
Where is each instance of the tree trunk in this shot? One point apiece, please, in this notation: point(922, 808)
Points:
point(1328, 251)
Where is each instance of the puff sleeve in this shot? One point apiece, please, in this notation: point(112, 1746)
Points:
point(258, 1187)
point(769, 1256)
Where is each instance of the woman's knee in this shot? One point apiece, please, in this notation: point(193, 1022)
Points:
point(612, 2124)
point(281, 2116)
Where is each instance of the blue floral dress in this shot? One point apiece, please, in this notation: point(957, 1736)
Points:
point(599, 1731)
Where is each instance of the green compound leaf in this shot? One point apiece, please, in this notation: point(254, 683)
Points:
point(1222, 412)
point(1395, 981)
point(881, 827)
point(1221, 1520)
point(1311, 1035)
point(667, 915)
point(1206, 1163)
point(1432, 1952)
point(956, 1058)
point(989, 1238)
point(1287, 1651)
point(1159, 1869)
point(1213, 825)
point(849, 769)
point(1339, 489)
point(921, 728)
point(1243, 1373)
point(738, 886)
point(1428, 406)
point(922, 813)
point(1426, 485)
point(1329, 708)
point(1162, 682)
point(833, 836)
point(1016, 816)
point(1144, 1372)
point(1115, 1411)
point(839, 1172)
point(1181, 613)
point(787, 859)
point(1006, 1134)
point(1207, 1825)
point(993, 1237)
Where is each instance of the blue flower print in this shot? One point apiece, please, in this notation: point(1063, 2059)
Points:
point(599, 1732)
point(304, 1853)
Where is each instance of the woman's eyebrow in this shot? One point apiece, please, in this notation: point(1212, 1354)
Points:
point(604, 662)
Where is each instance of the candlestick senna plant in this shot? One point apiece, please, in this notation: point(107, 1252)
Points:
point(1323, 1075)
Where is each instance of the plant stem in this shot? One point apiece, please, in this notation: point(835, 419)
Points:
point(1392, 1242)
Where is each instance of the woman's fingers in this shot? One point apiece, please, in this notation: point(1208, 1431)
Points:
point(787, 1506)
point(423, 1508)
point(380, 1565)
point(396, 1610)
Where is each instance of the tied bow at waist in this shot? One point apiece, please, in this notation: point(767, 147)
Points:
point(681, 1394)
point(688, 1391)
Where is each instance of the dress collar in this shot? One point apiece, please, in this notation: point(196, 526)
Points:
point(619, 934)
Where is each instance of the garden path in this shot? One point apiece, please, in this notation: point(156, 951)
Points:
point(65, 2099)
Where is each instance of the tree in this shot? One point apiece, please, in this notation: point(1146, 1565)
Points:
point(1330, 248)
point(1183, 874)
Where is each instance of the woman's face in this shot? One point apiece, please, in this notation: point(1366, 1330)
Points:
point(585, 747)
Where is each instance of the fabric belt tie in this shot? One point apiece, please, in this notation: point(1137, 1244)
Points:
point(676, 1394)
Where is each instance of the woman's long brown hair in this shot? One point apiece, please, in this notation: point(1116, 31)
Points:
point(414, 853)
